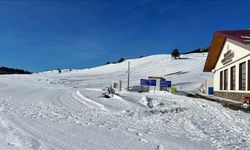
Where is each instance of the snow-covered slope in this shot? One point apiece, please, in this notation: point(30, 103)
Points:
point(186, 73)
point(66, 111)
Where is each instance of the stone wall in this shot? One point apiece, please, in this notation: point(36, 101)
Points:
point(232, 95)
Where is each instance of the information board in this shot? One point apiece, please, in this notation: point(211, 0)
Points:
point(152, 82)
point(165, 84)
point(144, 82)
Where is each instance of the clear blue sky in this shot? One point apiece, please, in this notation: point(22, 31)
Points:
point(41, 35)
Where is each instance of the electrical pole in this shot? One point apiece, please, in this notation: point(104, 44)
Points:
point(128, 74)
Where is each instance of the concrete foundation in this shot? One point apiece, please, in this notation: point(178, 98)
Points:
point(232, 95)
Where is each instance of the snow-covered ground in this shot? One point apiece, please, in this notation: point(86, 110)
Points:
point(66, 111)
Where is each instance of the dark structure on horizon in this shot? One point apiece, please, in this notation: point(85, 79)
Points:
point(6, 70)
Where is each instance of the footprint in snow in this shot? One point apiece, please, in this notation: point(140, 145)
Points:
point(143, 140)
point(133, 130)
point(11, 144)
point(159, 147)
point(139, 134)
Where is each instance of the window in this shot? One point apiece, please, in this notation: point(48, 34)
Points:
point(221, 80)
point(232, 78)
point(225, 79)
point(242, 76)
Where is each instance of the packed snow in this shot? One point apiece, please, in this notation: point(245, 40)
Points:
point(52, 111)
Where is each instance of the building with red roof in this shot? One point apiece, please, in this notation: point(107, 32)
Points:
point(229, 59)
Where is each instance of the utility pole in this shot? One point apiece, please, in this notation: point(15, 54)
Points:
point(128, 74)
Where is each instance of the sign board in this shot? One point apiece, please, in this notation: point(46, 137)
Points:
point(165, 84)
point(144, 82)
point(152, 82)
point(210, 90)
point(228, 57)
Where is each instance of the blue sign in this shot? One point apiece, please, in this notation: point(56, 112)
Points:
point(144, 82)
point(152, 82)
point(210, 90)
point(165, 84)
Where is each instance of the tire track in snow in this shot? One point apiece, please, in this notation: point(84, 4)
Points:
point(217, 127)
point(45, 133)
point(88, 101)
point(75, 97)
point(14, 138)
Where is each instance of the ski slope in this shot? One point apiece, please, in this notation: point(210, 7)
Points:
point(51, 111)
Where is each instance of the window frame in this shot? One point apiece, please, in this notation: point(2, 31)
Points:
point(242, 76)
point(221, 80)
point(233, 78)
point(225, 79)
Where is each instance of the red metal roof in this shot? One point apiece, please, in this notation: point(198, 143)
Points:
point(241, 36)
point(219, 38)
point(155, 77)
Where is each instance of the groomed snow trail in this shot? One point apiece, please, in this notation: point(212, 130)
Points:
point(51, 111)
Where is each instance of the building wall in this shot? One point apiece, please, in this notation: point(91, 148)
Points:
point(232, 95)
point(157, 87)
point(241, 52)
point(209, 83)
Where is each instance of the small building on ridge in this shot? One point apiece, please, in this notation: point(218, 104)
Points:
point(157, 86)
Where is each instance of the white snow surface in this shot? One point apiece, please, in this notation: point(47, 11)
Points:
point(51, 111)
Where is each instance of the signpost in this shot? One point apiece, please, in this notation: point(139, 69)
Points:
point(148, 82)
point(152, 82)
point(166, 84)
point(144, 82)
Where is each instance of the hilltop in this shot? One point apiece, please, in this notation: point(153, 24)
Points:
point(185, 73)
